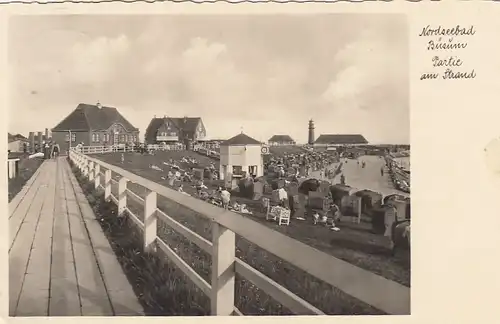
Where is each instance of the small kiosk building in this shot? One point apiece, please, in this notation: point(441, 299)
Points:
point(240, 157)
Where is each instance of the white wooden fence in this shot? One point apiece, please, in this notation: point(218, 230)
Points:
point(370, 288)
point(103, 149)
point(167, 147)
point(202, 149)
point(123, 148)
point(208, 151)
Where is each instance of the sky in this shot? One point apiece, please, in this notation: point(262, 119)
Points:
point(260, 74)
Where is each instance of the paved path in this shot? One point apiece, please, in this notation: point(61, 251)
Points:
point(317, 174)
point(369, 177)
point(60, 262)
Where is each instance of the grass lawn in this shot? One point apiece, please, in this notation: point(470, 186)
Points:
point(27, 167)
point(353, 244)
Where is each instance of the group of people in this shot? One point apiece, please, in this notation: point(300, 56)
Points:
point(51, 150)
point(304, 162)
point(399, 177)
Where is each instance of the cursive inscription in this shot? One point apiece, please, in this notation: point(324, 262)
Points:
point(441, 31)
point(449, 42)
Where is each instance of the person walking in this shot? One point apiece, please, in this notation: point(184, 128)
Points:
point(382, 171)
point(46, 151)
point(225, 197)
point(390, 217)
point(55, 150)
point(282, 197)
point(335, 212)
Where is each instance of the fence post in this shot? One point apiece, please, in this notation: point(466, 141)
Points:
point(223, 274)
point(97, 175)
point(150, 221)
point(359, 210)
point(122, 195)
point(107, 185)
point(91, 171)
point(85, 167)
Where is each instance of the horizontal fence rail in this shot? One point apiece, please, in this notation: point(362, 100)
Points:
point(381, 293)
point(203, 149)
point(208, 151)
point(103, 149)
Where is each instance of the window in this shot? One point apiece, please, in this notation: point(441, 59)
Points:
point(122, 138)
point(237, 170)
point(95, 137)
point(73, 137)
point(106, 137)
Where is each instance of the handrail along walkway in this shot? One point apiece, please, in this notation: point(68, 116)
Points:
point(354, 281)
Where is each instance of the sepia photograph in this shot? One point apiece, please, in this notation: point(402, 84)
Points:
point(198, 165)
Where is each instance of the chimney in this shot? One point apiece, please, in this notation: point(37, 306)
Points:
point(31, 137)
point(46, 133)
point(40, 138)
point(99, 105)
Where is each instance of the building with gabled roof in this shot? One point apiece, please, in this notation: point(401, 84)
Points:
point(186, 130)
point(239, 140)
point(340, 140)
point(94, 125)
point(277, 140)
point(240, 156)
point(17, 143)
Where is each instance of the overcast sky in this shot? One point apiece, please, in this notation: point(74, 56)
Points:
point(266, 74)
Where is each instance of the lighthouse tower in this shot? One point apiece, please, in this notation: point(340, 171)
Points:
point(310, 141)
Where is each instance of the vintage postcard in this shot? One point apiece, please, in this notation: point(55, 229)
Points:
point(248, 160)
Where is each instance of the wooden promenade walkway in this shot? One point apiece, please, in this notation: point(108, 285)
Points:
point(60, 262)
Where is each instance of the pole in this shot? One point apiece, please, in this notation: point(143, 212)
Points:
point(69, 149)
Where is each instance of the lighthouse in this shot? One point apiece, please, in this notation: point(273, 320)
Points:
point(310, 141)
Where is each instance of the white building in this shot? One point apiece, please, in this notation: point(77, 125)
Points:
point(279, 140)
point(17, 143)
point(240, 156)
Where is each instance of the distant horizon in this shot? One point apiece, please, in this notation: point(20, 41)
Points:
point(263, 74)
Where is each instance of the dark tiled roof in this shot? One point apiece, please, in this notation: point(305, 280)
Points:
point(17, 137)
point(185, 124)
point(153, 126)
point(241, 139)
point(341, 139)
point(281, 138)
point(90, 117)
